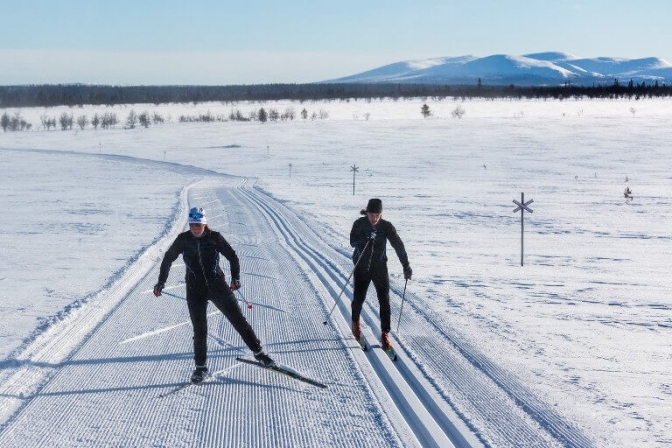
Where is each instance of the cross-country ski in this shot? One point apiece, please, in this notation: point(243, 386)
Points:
point(391, 353)
point(362, 343)
point(284, 370)
point(206, 377)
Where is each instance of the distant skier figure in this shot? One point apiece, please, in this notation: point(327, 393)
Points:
point(200, 248)
point(369, 236)
point(627, 193)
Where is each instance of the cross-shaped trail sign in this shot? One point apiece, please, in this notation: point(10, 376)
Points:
point(522, 206)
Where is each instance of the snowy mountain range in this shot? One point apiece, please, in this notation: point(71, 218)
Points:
point(550, 68)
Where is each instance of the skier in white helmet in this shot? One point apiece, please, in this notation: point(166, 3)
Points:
point(200, 248)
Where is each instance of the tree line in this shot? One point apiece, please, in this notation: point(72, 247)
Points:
point(50, 95)
point(15, 122)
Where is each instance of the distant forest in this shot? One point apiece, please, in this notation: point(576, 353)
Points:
point(50, 95)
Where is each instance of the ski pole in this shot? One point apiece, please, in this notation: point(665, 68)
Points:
point(401, 310)
point(346, 282)
point(172, 295)
point(249, 305)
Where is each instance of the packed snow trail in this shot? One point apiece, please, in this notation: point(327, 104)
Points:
point(106, 393)
point(120, 381)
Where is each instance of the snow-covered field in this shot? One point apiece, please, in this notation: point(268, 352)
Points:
point(571, 349)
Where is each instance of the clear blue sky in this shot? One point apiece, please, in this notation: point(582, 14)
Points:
point(270, 41)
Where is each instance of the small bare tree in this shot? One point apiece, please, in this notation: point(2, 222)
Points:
point(144, 119)
point(109, 120)
point(95, 121)
point(131, 120)
point(66, 121)
point(82, 121)
point(4, 122)
point(46, 121)
point(458, 112)
point(289, 114)
point(426, 113)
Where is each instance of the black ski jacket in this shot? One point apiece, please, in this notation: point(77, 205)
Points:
point(375, 253)
point(201, 257)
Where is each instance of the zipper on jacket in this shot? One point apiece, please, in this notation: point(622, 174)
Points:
point(373, 242)
point(200, 261)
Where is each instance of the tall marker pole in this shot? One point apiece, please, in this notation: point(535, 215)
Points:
point(522, 206)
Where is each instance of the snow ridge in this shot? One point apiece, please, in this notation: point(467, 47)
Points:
point(40, 359)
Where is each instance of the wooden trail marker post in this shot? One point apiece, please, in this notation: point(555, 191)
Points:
point(354, 169)
point(522, 206)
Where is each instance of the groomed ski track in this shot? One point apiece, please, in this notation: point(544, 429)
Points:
point(113, 372)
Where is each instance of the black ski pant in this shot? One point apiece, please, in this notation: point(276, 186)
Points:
point(381, 281)
point(219, 293)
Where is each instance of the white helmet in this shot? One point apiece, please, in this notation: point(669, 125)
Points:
point(197, 216)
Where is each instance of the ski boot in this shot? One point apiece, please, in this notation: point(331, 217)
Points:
point(199, 374)
point(385, 342)
point(356, 330)
point(264, 359)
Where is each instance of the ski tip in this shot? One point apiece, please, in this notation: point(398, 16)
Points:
point(391, 354)
point(362, 343)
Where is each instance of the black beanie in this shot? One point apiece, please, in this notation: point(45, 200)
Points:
point(374, 206)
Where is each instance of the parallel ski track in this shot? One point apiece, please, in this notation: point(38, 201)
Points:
point(511, 412)
point(424, 422)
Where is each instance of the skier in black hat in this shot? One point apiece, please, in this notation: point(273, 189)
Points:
point(200, 248)
point(369, 236)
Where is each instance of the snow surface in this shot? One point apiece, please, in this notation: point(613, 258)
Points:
point(571, 349)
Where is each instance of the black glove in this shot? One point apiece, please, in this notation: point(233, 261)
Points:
point(235, 284)
point(372, 235)
point(408, 272)
point(158, 288)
